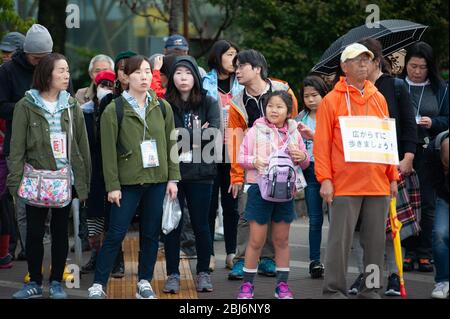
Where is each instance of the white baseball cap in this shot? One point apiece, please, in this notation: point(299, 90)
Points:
point(353, 50)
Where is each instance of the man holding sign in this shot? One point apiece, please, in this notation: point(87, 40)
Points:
point(356, 165)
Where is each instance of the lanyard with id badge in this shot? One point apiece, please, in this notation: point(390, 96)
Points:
point(191, 121)
point(149, 151)
point(58, 142)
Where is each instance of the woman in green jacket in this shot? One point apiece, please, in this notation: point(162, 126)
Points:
point(41, 122)
point(137, 167)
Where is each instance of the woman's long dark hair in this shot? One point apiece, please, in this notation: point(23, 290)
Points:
point(215, 57)
point(173, 96)
point(425, 51)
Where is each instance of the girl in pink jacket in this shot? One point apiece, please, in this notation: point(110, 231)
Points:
point(268, 134)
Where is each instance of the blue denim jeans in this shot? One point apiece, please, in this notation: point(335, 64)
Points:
point(198, 198)
point(315, 212)
point(440, 240)
point(152, 196)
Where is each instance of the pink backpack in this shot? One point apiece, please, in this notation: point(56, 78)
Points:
point(278, 183)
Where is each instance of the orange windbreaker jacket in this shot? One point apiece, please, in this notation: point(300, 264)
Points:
point(349, 178)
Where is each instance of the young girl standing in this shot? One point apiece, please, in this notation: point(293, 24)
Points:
point(269, 133)
point(312, 92)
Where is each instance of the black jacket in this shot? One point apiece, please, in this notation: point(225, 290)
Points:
point(440, 122)
point(97, 204)
point(402, 111)
point(207, 111)
point(15, 79)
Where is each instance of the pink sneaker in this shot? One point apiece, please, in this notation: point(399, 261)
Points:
point(246, 291)
point(282, 291)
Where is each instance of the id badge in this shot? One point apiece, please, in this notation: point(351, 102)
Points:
point(186, 157)
point(418, 118)
point(58, 142)
point(149, 152)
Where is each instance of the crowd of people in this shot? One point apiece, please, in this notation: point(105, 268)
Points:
point(146, 129)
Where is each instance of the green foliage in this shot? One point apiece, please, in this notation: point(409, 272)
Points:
point(293, 34)
point(10, 20)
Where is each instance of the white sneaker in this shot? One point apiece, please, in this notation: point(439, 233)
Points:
point(96, 292)
point(212, 263)
point(440, 290)
point(229, 261)
point(144, 290)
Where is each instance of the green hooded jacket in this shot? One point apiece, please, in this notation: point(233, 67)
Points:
point(30, 143)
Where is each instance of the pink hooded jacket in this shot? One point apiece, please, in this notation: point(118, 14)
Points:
point(264, 138)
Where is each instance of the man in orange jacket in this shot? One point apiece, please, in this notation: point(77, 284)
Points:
point(352, 189)
point(245, 108)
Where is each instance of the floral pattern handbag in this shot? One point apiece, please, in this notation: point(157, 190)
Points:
point(47, 188)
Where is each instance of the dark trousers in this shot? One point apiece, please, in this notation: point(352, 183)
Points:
point(152, 197)
point(59, 229)
point(417, 247)
point(6, 215)
point(198, 197)
point(229, 208)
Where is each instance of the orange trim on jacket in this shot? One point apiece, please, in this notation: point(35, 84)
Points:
point(349, 178)
point(238, 125)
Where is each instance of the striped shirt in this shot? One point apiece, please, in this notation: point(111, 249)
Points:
point(53, 116)
point(134, 103)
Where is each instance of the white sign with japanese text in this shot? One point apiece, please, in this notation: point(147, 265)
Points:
point(369, 139)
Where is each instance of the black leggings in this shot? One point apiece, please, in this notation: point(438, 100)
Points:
point(59, 229)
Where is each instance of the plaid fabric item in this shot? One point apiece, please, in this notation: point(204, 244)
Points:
point(408, 206)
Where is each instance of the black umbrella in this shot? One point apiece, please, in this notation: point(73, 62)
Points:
point(393, 35)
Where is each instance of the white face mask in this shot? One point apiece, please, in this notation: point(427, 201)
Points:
point(101, 93)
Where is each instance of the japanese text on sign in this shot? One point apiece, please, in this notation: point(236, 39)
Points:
point(369, 139)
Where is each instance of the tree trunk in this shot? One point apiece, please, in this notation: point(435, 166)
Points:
point(52, 15)
point(186, 19)
point(174, 16)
